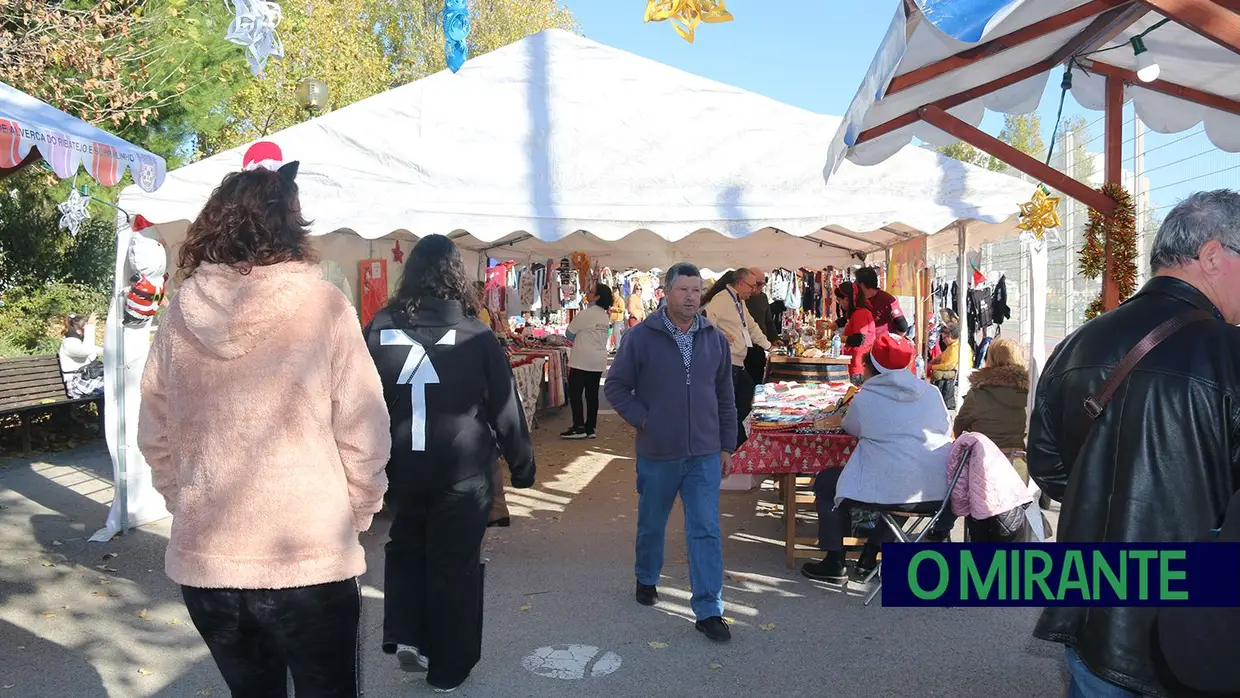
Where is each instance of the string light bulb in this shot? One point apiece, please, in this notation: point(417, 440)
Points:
point(1147, 67)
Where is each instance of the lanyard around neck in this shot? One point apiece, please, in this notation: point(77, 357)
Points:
point(739, 310)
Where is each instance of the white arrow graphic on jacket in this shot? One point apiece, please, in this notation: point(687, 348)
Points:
point(418, 372)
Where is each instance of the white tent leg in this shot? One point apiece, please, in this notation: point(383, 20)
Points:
point(1037, 316)
point(962, 309)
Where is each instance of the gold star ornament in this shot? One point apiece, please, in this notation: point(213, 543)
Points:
point(685, 15)
point(1040, 214)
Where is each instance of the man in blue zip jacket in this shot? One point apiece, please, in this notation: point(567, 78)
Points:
point(672, 380)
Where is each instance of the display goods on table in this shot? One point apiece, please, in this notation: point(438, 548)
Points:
point(556, 368)
point(528, 372)
point(789, 429)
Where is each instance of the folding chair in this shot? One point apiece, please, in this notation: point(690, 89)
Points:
point(927, 513)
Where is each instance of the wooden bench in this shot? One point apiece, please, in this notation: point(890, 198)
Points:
point(32, 384)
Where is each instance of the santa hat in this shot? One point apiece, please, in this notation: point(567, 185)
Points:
point(140, 223)
point(263, 154)
point(892, 353)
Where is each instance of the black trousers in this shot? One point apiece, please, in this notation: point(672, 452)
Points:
point(743, 385)
point(835, 524)
point(433, 575)
point(584, 383)
point(258, 636)
point(755, 363)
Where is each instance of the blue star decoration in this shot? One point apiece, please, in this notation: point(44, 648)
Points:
point(455, 32)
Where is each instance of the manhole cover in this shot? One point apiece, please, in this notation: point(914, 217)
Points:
point(571, 662)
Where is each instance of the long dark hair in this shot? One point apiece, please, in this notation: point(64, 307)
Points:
point(252, 219)
point(434, 270)
point(605, 296)
point(846, 289)
point(721, 283)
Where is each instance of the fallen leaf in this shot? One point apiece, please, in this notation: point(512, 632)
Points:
point(205, 691)
point(105, 568)
point(49, 614)
point(9, 685)
point(104, 580)
point(47, 563)
point(57, 543)
point(145, 672)
point(526, 607)
point(174, 621)
point(142, 615)
point(657, 645)
point(716, 665)
point(729, 621)
point(768, 626)
point(109, 556)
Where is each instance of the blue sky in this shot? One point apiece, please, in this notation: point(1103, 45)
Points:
point(814, 54)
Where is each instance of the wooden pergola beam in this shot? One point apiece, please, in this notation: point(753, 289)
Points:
point(1000, 44)
point(32, 157)
point(1172, 89)
point(938, 117)
point(1110, 22)
point(1205, 17)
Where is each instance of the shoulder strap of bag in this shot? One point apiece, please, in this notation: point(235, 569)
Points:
point(1095, 404)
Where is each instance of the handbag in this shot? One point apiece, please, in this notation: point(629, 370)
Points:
point(1095, 404)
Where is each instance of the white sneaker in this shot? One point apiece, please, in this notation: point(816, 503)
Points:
point(411, 659)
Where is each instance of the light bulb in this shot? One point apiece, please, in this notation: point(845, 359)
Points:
point(1147, 67)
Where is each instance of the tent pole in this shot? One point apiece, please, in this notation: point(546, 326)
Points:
point(962, 308)
point(1113, 174)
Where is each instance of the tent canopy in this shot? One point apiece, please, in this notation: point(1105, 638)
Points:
point(557, 143)
point(966, 56)
point(28, 125)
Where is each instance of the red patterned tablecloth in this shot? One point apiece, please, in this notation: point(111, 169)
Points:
point(776, 453)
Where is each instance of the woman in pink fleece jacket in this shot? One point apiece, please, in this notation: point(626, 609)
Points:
point(264, 424)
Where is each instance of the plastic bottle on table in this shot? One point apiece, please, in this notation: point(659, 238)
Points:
point(835, 345)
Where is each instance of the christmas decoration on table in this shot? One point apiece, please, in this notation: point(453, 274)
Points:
point(74, 211)
point(148, 264)
point(254, 28)
point(1040, 216)
point(455, 32)
point(685, 15)
point(398, 255)
point(1120, 228)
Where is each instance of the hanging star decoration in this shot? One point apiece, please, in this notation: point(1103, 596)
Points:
point(73, 211)
point(1040, 215)
point(398, 255)
point(455, 32)
point(685, 15)
point(254, 28)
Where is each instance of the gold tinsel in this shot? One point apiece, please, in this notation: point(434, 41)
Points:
point(1120, 228)
point(685, 15)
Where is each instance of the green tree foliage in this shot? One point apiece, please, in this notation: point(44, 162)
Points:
point(966, 153)
point(1021, 131)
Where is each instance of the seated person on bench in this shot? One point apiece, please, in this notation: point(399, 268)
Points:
point(80, 365)
point(903, 440)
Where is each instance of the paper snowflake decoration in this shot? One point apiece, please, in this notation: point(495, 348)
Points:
point(74, 211)
point(254, 28)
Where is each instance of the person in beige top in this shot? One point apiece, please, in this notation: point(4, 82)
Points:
point(264, 423)
point(728, 313)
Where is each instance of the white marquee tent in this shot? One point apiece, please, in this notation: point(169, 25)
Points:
point(558, 144)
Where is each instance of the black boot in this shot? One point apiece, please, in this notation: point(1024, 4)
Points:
point(866, 562)
point(829, 569)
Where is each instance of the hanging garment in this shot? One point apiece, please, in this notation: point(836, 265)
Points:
point(525, 289)
point(1001, 311)
point(979, 356)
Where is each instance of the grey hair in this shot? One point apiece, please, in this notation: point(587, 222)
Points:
point(1198, 219)
point(744, 273)
point(678, 270)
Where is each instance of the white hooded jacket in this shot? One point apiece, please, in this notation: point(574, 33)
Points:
point(903, 439)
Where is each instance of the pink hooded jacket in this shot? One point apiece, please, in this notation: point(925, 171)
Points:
point(264, 424)
point(990, 485)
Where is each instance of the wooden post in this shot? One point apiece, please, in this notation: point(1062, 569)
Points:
point(1113, 174)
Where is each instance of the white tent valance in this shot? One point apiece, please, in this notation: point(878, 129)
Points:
point(557, 143)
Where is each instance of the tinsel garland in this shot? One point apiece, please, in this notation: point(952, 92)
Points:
point(1121, 229)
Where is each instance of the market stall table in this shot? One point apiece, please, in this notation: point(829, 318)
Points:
point(785, 443)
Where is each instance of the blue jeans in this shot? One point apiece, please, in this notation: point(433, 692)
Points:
point(1087, 684)
point(696, 480)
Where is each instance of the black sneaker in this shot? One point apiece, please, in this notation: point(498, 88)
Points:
point(590, 434)
point(865, 564)
point(575, 433)
point(714, 628)
point(830, 569)
point(647, 594)
point(502, 522)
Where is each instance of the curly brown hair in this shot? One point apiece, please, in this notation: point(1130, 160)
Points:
point(253, 219)
point(435, 270)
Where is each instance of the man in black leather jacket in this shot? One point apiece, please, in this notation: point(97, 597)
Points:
point(1163, 459)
